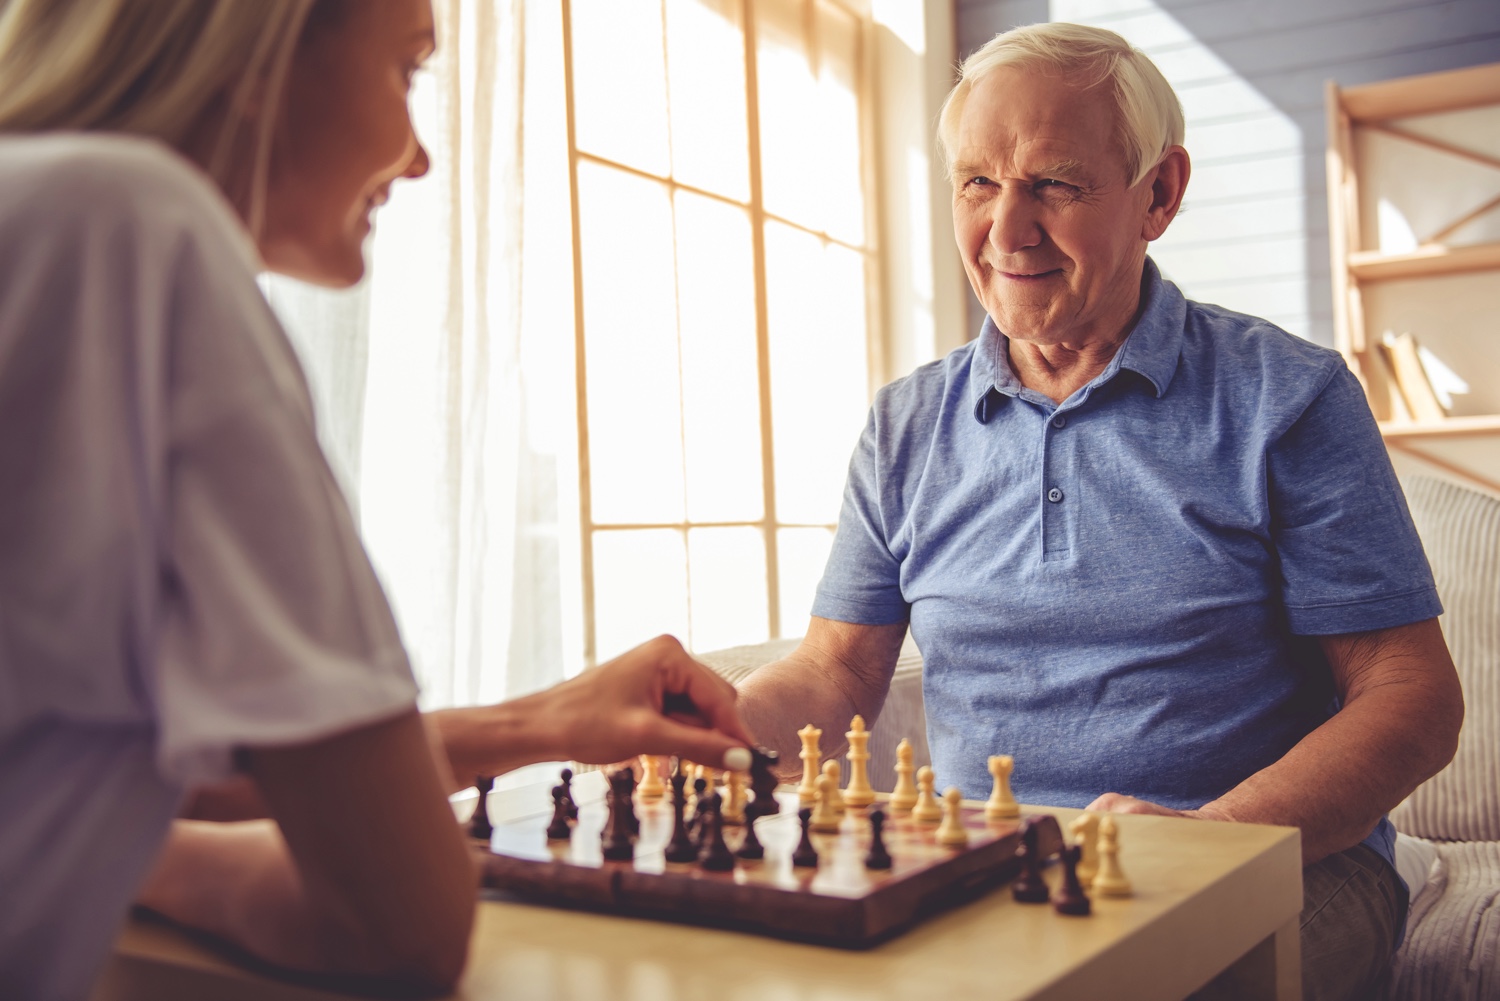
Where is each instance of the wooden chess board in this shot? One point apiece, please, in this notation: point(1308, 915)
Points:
point(838, 903)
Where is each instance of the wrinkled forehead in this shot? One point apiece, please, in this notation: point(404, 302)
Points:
point(1038, 111)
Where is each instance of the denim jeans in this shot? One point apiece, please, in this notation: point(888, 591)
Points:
point(1352, 905)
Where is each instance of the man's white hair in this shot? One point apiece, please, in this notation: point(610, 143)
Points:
point(1148, 116)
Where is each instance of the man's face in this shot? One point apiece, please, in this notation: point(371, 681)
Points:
point(1051, 236)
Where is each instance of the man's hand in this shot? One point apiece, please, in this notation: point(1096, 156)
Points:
point(654, 699)
point(1113, 802)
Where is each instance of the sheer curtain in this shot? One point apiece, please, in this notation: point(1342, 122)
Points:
point(444, 381)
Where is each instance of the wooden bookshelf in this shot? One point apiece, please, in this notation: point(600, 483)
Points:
point(1397, 249)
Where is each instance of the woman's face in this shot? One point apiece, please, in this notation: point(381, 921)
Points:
point(345, 136)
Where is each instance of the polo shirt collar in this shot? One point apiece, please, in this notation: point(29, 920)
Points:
point(1151, 350)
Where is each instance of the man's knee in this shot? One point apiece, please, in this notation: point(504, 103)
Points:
point(1353, 903)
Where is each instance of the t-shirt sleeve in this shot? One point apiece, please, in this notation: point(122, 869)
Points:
point(862, 582)
point(1349, 554)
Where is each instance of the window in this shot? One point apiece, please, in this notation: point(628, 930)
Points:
point(724, 275)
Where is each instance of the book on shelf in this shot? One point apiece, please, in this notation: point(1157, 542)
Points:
point(1386, 401)
point(1416, 390)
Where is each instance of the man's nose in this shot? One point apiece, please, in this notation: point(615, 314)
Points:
point(1015, 226)
point(420, 163)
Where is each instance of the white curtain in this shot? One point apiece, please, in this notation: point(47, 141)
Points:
point(444, 381)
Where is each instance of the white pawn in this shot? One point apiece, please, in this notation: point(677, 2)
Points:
point(927, 810)
point(651, 786)
point(859, 792)
point(904, 796)
point(1110, 880)
point(1085, 833)
point(831, 772)
point(951, 831)
point(810, 757)
point(733, 810)
point(1002, 803)
point(825, 818)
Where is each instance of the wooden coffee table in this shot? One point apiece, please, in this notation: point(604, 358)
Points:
point(1208, 896)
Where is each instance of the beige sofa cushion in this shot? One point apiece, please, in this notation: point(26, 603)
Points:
point(1460, 529)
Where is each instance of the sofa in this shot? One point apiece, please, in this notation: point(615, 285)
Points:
point(1450, 826)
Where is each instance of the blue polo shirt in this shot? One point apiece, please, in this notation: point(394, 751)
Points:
point(1121, 590)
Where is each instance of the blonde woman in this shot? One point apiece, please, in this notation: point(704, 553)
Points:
point(183, 595)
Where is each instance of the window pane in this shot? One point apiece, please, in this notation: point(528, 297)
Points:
point(841, 194)
point(819, 380)
point(728, 574)
point(721, 395)
point(789, 102)
point(619, 82)
point(706, 70)
point(630, 347)
point(802, 554)
point(640, 588)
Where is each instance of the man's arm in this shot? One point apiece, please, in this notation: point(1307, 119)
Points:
point(1398, 726)
point(839, 669)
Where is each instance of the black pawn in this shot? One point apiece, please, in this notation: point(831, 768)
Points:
point(567, 787)
point(617, 839)
point(715, 855)
point(1070, 898)
point(681, 847)
point(559, 830)
point(878, 858)
point(806, 856)
point(700, 809)
point(1029, 887)
point(479, 824)
point(750, 848)
point(762, 785)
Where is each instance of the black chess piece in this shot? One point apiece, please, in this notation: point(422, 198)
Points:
point(750, 848)
point(479, 824)
point(567, 787)
point(700, 807)
point(879, 857)
point(1029, 887)
point(806, 856)
point(617, 838)
point(762, 785)
point(714, 855)
point(630, 815)
point(1070, 898)
point(559, 829)
point(681, 848)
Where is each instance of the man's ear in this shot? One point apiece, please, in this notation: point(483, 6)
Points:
point(1168, 183)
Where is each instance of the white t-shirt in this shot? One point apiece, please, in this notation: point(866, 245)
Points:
point(179, 573)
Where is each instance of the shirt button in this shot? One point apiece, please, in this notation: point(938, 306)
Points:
point(1059, 421)
point(1054, 495)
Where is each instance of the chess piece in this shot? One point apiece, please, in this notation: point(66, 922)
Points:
point(1029, 887)
point(811, 759)
point(733, 811)
point(904, 796)
point(878, 857)
point(479, 824)
point(700, 808)
point(617, 838)
point(1110, 880)
point(567, 784)
point(714, 855)
point(1084, 831)
point(710, 776)
point(738, 759)
point(825, 817)
point(859, 792)
point(926, 810)
point(559, 829)
point(681, 848)
point(831, 772)
point(1002, 803)
point(763, 786)
point(805, 856)
point(750, 848)
point(630, 784)
point(1070, 898)
point(651, 787)
point(951, 832)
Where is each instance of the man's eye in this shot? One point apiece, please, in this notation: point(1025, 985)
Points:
point(979, 180)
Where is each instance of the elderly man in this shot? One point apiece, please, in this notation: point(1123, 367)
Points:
point(1152, 548)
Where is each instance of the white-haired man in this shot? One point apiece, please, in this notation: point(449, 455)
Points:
point(1154, 549)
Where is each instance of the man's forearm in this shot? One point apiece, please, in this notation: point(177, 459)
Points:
point(786, 695)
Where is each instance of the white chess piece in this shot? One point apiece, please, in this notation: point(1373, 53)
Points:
point(811, 761)
point(1085, 833)
point(1110, 880)
point(831, 772)
point(904, 796)
point(951, 831)
point(859, 792)
point(733, 810)
point(651, 786)
point(927, 810)
point(1002, 803)
point(825, 818)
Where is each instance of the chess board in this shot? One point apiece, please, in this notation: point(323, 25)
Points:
point(839, 903)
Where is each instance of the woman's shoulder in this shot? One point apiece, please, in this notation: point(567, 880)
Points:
point(66, 181)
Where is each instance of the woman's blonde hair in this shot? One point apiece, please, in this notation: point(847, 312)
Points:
point(168, 69)
point(1148, 114)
